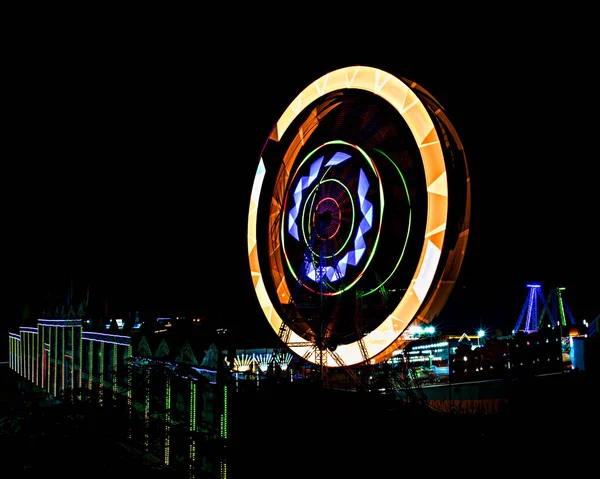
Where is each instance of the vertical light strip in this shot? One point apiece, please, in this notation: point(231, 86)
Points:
point(193, 406)
point(33, 358)
point(114, 371)
point(80, 359)
point(146, 409)
point(55, 359)
point(223, 466)
point(101, 373)
point(62, 360)
point(90, 365)
point(192, 425)
point(167, 418)
point(44, 366)
point(33, 361)
point(30, 356)
point(24, 338)
point(129, 386)
point(73, 360)
point(27, 356)
point(224, 413)
point(40, 357)
point(36, 345)
point(48, 353)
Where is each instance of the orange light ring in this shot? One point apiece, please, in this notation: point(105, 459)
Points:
point(378, 342)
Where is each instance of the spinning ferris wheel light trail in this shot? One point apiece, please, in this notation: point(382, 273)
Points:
point(352, 236)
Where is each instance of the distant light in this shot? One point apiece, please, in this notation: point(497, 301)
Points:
point(534, 285)
point(481, 333)
point(420, 329)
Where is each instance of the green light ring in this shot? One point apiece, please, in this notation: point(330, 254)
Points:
point(375, 171)
point(366, 293)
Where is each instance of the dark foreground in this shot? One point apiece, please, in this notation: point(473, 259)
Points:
point(550, 425)
point(293, 430)
point(38, 439)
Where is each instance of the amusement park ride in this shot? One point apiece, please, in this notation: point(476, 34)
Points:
point(537, 308)
point(358, 219)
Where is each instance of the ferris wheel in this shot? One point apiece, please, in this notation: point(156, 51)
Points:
point(359, 216)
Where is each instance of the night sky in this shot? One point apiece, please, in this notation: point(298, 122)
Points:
point(132, 164)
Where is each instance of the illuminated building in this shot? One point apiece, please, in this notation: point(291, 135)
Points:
point(175, 407)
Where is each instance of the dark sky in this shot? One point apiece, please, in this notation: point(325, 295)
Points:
point(132, 162)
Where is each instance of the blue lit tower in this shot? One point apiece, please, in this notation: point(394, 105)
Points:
point(531, 311)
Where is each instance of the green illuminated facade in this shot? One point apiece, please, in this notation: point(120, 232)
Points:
point(172, 408)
